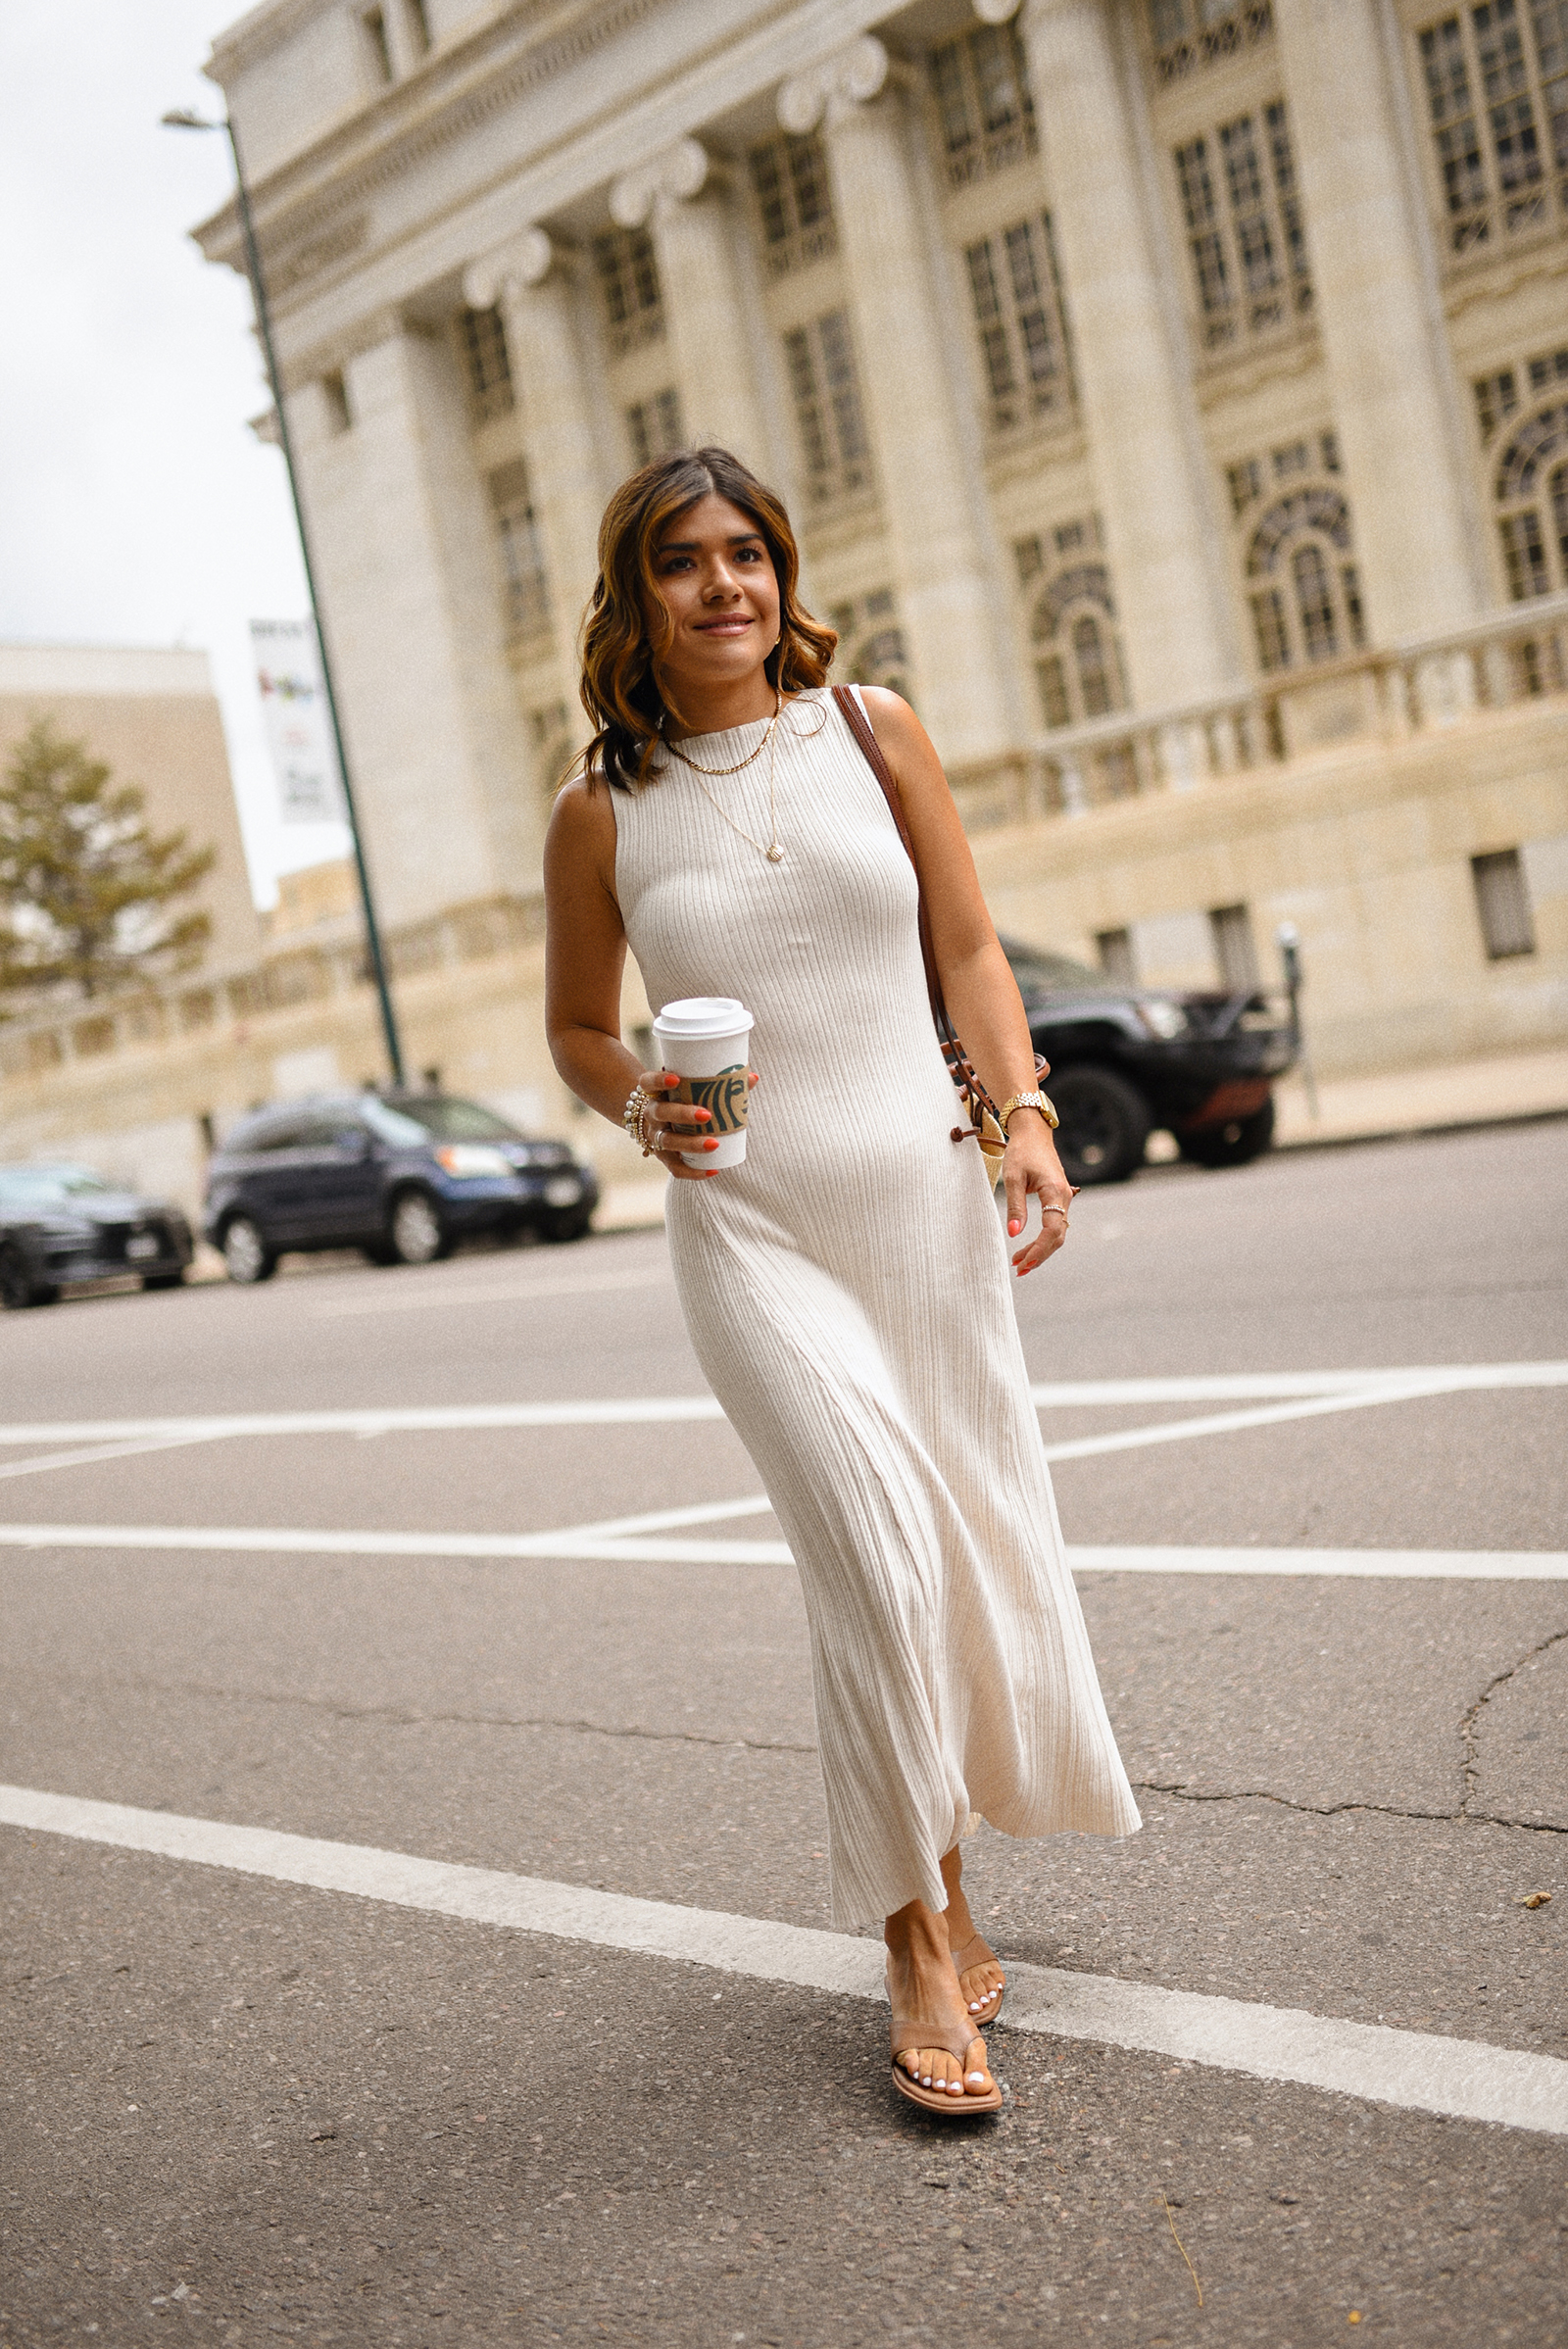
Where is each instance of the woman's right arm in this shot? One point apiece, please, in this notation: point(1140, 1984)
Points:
point(585, 956)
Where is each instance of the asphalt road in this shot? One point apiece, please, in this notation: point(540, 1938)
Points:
point(239, 2108)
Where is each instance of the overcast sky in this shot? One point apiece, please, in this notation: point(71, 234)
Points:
point(136, 507)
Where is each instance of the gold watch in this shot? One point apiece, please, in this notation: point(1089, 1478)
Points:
point(1028, 1101)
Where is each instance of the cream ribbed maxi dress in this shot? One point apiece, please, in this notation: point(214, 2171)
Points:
point(846, 1289)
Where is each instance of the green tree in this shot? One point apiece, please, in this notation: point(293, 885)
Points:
point(86, 889)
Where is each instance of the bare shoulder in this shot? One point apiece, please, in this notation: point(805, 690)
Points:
point(581, 837)
point(908, 747)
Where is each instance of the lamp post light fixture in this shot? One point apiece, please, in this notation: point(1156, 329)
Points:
point(182, 119)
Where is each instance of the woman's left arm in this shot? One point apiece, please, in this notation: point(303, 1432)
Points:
point(981, 991)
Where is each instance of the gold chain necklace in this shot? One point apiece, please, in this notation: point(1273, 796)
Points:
point(677, 752)
point(773, 850)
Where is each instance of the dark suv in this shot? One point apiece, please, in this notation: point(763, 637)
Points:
point(62, 1226)
point(1127, 1059)
point(402, 1176)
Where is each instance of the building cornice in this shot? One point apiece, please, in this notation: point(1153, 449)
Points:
point(457, 89)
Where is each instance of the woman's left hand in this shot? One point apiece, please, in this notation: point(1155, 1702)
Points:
point(1031, 1164)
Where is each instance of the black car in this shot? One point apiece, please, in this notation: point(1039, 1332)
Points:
point(402, 1176)
point(1125, 1061)
point(62, 1226)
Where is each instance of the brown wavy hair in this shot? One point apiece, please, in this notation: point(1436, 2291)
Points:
point(620, 689)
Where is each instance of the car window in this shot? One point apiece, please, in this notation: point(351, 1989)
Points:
point(276, 1133)
point(321, 1127)
point(1039, 971)
point(392, 1127)
point(38, 1185)
point(459, 1121)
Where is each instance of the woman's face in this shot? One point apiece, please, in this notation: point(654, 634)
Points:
point(717, 579)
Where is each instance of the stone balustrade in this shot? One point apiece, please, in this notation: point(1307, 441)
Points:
point(1388, 694)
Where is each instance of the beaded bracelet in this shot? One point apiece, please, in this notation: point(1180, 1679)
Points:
point(631, 1117)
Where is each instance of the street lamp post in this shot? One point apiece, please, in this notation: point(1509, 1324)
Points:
point(182, 119)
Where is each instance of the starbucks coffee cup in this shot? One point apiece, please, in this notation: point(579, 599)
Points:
point(705, 1040)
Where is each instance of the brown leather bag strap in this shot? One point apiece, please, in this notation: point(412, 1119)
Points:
point(853, 715)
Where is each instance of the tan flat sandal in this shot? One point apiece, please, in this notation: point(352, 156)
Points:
point(908, 2035)
point(975, 1951)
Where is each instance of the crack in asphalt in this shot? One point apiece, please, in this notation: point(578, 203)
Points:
point(1469, 1729)
point(1180, 1791)
point(407, 1717)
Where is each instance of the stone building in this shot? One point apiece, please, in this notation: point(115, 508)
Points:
point(1172, 395)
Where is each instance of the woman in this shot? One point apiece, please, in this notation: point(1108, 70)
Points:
point(845, 1287)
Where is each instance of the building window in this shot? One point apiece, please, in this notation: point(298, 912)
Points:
point(1532, 491)
point(486, 364)
point(1502, 904)
point(1078, 667)
point(629, 279)
point(1248, 252)
point(826, 391)
point(652, 427)
point(522, 560)
point(1235, 948)
point(1186, 34)
point(793, 203)
point(1497, 87)
point(1304, 595)
point(1114, 949)
point(1016, 290)
point(981, 86)
point(335, 392)
point(377, 48)
point(871, 649)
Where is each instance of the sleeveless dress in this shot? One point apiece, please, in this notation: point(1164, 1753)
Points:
point(846, 1291)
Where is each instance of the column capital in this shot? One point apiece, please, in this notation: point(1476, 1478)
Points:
point(674, 176)
point(835, 85)
point(527, 261)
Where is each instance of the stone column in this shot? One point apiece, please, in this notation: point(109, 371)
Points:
point(531, 284)
point(404, 547)
point(1374, 280)
point(931, 497)
point(1133, 371)
point(675, 194)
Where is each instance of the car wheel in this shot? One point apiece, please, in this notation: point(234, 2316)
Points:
point(164, 1280)
point(1105, 1125)
point(1232, 1142)
point(246, 1252)
point(419, 1235)
point(571, 1223)
point(18, 1288)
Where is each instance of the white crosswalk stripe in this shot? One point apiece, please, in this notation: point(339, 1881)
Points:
point(1463, 2079)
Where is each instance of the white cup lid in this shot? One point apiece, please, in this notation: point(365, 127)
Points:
point(700, 1015)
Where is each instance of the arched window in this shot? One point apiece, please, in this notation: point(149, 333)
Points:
point(1533, 493)
point(1078, 660)
point(1305, 598)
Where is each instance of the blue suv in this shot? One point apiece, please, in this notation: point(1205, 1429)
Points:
point(400, 1176)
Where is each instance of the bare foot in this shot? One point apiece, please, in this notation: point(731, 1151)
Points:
point(981, 1985)
point(922, 1985)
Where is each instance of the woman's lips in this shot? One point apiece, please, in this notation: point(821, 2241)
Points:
point(736, 626)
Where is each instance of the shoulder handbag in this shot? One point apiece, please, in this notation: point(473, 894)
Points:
point(984, 1125)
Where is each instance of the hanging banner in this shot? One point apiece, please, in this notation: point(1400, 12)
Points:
point(299, 733)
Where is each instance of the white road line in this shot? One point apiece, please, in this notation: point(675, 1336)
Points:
point(371, 1420)
point(1463, 2079)
point(101, 1451)
point(615, 1544)
point(1229, 1423)
point(519, 1292)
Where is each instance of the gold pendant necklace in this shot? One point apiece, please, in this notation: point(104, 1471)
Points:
point(773, 850)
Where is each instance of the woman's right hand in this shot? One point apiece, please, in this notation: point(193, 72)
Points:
point(671, 1127)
